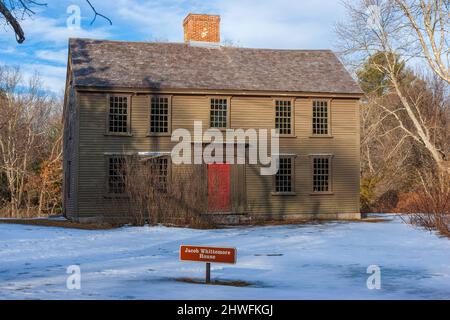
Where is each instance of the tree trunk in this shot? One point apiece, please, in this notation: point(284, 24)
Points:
point(20, 36)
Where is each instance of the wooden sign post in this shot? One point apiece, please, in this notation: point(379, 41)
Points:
point(208, 255)
point(208, 272)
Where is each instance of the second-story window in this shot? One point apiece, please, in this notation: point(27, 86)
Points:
point(219, 113)
point(320, 117)
point(283, 117)
point(160, 115)
point(118, 115)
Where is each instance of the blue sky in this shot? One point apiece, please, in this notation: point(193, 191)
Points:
point(285, 24)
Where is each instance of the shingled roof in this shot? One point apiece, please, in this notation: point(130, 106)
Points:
point(147, 65)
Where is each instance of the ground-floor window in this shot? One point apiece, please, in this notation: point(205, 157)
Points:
point(116, 175)
point(160, 172)
point(321, 166)
point(284, 178)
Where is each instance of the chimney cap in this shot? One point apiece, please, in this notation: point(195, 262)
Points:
point(200, 16)
point(201, 28)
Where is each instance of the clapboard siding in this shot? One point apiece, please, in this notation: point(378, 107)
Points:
point(254, 113)
point(70, 152)
point(187, 109)
point(344, 145)
point(246, 112)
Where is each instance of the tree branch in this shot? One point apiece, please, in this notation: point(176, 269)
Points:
point(98, 14)
point(22, 8)
point(11, 20)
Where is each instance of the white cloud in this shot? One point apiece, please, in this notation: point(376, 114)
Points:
point(250, 23)
point(55, 31)
point(46, 36)
point(152, 20)
point(57, 56)
point(281, 23)
point(8, 50)
point(52, 77)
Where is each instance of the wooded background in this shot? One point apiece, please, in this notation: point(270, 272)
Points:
point(398, 50)
point(30, 147)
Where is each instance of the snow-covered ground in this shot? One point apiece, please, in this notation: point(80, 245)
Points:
point(312, 261)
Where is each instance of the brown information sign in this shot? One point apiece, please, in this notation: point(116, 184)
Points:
point(207, 254)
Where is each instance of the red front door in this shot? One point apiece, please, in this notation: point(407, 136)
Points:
point(219, 188)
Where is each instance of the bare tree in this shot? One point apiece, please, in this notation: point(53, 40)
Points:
point(429, 21)
point(378, 27)
point(390, 159)
point(26, 112)
point(50, 175)
point(14, 11)
point(399, 50)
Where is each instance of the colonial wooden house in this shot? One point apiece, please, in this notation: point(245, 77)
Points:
point(127, 98)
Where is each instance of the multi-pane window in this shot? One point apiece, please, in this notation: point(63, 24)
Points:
point(116, 175)
point(283, 116)
point(118, 114)
point(321, 174)
point(160, 172)
point(285, 176)
point(218, 113)
point(159, 115)
point(320, 117)
point(163, 164)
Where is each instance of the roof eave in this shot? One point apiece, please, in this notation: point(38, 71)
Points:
point(201, 91)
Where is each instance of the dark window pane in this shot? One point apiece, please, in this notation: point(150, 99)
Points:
point(283, 116)
point(218, 113)
point(320, 117)
point(158, 122)
point(321, 169)
point(116, 175)
point(118, 111)
point(283, 178)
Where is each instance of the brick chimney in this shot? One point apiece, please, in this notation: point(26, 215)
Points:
point(201, 28)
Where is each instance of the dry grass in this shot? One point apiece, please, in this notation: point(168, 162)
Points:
point(369, 220)
point(273, 222)
point(61, 224)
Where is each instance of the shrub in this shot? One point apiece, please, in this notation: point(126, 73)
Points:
point(176, 199)
point(429, 205)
